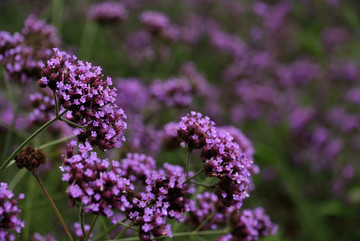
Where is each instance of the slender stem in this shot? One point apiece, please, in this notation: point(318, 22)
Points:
point(203, 185)
point(29, 139)
point(91, 227)
point(121, 234)
point(16, 179)
point(203, 223)
point(49, 144)
point(71, 123)
point(106, 232)
point(195, 175)
point(81, 219)
point(129, 226)
point(54, 206)
point(187, 164)
point(183, 234)
point(56, 104)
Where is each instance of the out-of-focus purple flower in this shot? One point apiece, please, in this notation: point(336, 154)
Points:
point(208, 204)
point(107, 12)
point(334, 37)
point(9, 211)
point(251, 225)
point(138, 45)
point(169, 135)
point(78, 231)
point(39, 237)
point(23, 54)
point(132, 95)
point(137, 167)
point(81, 89)
point(173, 92)
point(353, 95)
point(94, 182)
point(142, 138)
point(347, 70)
point(154, 21)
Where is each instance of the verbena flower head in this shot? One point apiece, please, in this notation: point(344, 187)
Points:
point(224, 159)
point(194, 129)
point(107, 12)
point(9, 211)
point(208, 204)
point(81, 89)
point(251, 225)
point(154, 21)
point(23, 54)
point(137, 166)
point(173, 92)
point(94, 182)
point(39, 237)
point(169, 135)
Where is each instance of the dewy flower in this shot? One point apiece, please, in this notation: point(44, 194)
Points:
point(107, 12)
point(9, 220)
point(81, 89)
point(94, 182)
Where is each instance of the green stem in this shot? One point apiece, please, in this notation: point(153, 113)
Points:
point(129, 226)
point(106, 232)
point(49, 144)
point(54, 206)
point(91, 227)
point(187, 165)
point(29, 139)
point(203, 185)
point(203, 223)
point(16, 179)
point(56, 104)
point(71, 123)
point(195, 175)
point(81, 219)
point(88, 39)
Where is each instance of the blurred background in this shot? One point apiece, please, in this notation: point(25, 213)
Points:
point(286, 73)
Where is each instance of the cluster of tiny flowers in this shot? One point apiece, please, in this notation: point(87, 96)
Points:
point(208, 205)
point(80, 89)
point(78, 232)
point(9, 220)
point(137, 166)
point(107, 12)
point(222, 157)
point(195, 129)
point(164, 198)
point(251, 225)
point(173, 92)
point(94, 182)
point(23, 54)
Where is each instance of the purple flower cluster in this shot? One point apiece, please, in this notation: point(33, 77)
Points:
point(165, 197)
point(23, 54)
point(173, 92)
point(9, 211)
point(155, 21)
point(251, 225)
point(94, 182)
point(208, 205)
point(137, 166)
point(194, 129)
point(169, 135)
point(39, 237)
point(222, 156)
point(81, 89)
point(107, 12)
